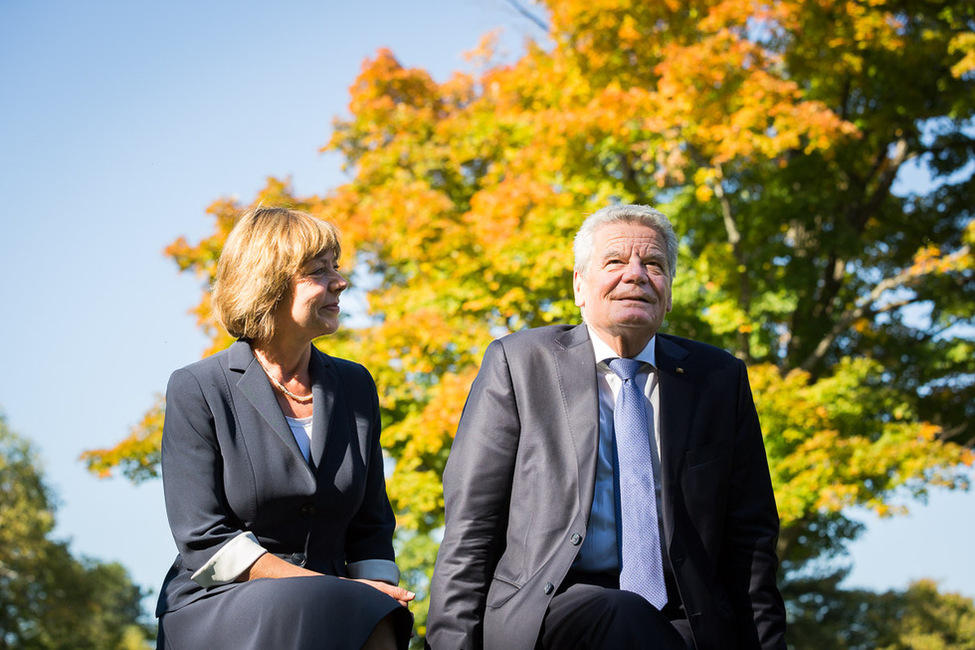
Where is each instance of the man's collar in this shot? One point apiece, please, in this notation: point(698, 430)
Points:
point(604, 352)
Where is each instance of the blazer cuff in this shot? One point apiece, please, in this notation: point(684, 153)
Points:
point(229, 562)
point(382, 570)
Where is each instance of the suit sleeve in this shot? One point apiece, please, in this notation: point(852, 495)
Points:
point(192, 473)
point(752, 533)
point(477, 490)
point(369, 539)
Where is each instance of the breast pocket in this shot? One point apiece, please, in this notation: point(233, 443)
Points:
point(711, 453)
point(706, 477)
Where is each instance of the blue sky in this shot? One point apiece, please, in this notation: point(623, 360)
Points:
point(120, 122)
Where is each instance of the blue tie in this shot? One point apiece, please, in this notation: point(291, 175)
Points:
point(642, 567)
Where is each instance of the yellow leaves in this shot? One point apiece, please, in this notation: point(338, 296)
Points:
point(872, 24)
point(425, 430)
point(963, 44)
point(496, 216)
point(484, 52)
point(421, 441)
point(822, 127)
point(703, 193)
point(412, 494)
point(138, 454)
point(929, 432)
point(725, 316)
point(730, 101)
point(929, 259)
point(384, 85)
point(968, 236)
point(411, 207)
point(628, 32)
point(704, 180)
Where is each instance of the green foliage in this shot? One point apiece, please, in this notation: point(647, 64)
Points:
point(844, 440)
point(413, 553)
point(49, 599)
point(918, 618)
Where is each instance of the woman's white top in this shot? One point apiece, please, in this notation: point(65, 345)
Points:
point(301, 428)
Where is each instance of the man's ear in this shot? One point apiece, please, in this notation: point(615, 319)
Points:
point(577, 282)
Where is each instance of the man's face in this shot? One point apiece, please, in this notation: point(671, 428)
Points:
point(624, 293)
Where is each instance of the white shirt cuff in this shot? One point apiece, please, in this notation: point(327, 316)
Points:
point(229, 562)
point(382, 570)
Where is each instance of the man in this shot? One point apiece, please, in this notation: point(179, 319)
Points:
point(594, 501)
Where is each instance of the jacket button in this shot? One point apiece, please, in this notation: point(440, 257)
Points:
point(576, 539)
point(548, 588)
point(299, 559)
point(307, 510)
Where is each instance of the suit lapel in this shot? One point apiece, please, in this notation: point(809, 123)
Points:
point(577, 383)
point(676, 406)
point(256, 388)
point(326, 389)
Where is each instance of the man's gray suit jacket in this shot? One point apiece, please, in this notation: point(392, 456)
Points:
point(518, 488)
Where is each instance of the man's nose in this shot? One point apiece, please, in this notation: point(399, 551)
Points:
point(635, 272)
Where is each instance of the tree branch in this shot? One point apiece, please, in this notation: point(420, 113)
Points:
point(884, 173)
point(734, 238)
point(863, 307)
point(517, 6)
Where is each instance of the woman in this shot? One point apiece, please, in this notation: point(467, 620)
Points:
point(271, 465)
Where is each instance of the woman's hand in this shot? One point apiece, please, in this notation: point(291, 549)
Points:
point(400, 594)
point(271, 566)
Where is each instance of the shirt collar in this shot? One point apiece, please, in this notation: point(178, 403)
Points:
point(605, 353)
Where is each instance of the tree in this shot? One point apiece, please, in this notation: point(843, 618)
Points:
point(919, 618)
point(772, 134)
point(49, 599)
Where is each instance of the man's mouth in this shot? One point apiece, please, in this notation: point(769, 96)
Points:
point(637, 298)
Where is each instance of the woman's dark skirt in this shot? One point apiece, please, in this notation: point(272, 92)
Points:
point(305, 613)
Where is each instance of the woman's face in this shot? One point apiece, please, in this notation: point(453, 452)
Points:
point(313, 310)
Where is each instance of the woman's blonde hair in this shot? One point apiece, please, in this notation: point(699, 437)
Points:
point(266, 248)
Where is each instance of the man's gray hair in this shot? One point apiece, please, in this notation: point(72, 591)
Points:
point(638, 214)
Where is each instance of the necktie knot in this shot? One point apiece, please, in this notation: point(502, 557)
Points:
point(625, 369)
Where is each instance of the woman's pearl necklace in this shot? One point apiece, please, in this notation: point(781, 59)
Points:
point(298, 398)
